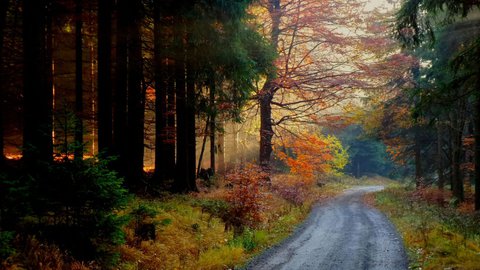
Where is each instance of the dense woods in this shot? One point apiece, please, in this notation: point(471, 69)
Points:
point(104, 102)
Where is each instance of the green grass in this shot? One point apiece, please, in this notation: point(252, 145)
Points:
point(435, 237)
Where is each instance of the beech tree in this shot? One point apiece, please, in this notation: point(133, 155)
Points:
point(313, 70)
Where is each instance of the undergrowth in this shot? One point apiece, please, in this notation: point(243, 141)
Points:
point(436, 234)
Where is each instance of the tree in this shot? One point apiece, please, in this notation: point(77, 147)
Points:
point(78, 80)
point(161, 86)
point(314, 71)
point(105, 9)
point(37, 92)
point(414, 26)
point(3, 16)
point(136, 94)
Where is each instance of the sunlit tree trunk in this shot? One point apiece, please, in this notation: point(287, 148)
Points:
point(37, 94)
point(3, 15)
point(78, 81)
point(104, 112)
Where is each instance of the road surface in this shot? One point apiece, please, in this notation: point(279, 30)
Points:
point(344, 234)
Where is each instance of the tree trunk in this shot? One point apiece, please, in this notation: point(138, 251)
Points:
point(181, 177)
point(477, 147)
point(190, 117)
point(161, 84)
point(268, 91)
point(120, 95)
point(136, 109)
point(37, 140)
point(104, 77)
point(78, 81)
point(440, 169)
point(266, 128)
point(221, 148)
point(204, 142)
point(213, 118)
point(171, 131)
point(418, 159)
point(457, 133)
point(3, 15)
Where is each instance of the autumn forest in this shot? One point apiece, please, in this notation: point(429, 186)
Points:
point(159, 134)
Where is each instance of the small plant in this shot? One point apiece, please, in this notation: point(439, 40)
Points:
point(144, 224)
point(245, 198)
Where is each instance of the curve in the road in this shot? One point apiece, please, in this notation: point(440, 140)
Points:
point(344, 234)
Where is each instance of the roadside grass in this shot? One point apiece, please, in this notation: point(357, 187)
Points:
point(190, 233)
point(436, 234)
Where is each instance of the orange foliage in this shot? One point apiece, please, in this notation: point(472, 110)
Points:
point(246, 196)
point(310, 155)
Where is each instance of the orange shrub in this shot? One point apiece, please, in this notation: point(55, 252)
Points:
point(245, 197)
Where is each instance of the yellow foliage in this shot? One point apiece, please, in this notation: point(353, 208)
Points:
point(225, 257)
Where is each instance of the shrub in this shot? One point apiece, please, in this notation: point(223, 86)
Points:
point(245, 197)
point(71, 204)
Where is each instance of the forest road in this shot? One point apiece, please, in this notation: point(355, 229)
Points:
point(344, 234)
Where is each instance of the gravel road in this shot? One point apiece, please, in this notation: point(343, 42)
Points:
point(344, 234)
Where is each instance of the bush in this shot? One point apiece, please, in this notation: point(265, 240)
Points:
point(71, 204)
point(245, 198)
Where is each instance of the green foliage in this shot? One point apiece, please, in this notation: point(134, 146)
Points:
point(72, 204)
point(6, 244)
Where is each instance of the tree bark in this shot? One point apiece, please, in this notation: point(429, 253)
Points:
point(190, 116)
point(221, 148)
point(78, 153)
point(136, 109)
point(3, 15)
point(161, 85)
point(104, 77)
point(477, 146)
point(266, 125)
point(37, 140)
point(458, 123)
point(440, 169)
point(418, 159)
point(268, 91)
point(213, 118)
point(181, 177)
point(171, 131)
point(120, 94)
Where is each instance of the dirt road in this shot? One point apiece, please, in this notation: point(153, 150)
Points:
point(344, 234)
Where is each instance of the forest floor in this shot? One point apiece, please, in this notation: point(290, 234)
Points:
point(437, 233)
point(344, 233)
